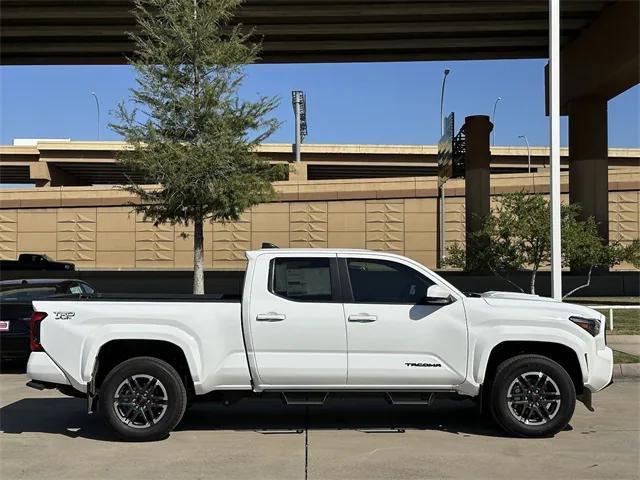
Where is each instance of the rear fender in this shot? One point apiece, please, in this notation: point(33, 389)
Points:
point(166, 333)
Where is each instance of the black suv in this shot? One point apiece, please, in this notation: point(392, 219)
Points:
point(16, 309)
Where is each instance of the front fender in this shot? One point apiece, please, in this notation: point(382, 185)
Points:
point(488, 339)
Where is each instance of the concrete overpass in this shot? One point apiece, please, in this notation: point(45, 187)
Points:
point(66, 163)
point(382, 197)
point(93, 31)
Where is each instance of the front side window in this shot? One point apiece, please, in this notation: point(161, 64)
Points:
point(301, 279)
point(382, 281)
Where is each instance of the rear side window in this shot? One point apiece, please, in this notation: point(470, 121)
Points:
point(26, 295)
point(382, 281)
point(301, 279)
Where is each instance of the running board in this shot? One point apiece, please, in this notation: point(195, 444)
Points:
point(304, 398)
point(410, 398)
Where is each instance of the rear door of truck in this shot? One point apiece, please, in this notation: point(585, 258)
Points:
point(296, 320)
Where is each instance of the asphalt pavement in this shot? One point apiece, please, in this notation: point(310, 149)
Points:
point(46, 435)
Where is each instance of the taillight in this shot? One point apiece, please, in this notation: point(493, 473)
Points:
point(34, 331)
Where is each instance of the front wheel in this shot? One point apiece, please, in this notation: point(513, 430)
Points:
point(532, 396)
point(143, 399)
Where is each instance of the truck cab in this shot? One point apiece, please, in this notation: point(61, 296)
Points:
point(316, 303)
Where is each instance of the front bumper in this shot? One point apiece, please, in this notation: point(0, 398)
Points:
point(41, 368)
point(600, 368)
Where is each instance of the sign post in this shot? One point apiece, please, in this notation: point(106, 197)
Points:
point(445, 171)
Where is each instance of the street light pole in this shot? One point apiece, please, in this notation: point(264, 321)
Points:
point(528, 152)
point(296, 111)
point(444, 80)
point(441, 209)
point(493, 120)
point(300, 111)
point(98, 111)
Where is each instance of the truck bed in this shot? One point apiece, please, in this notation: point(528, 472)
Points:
point(206, 328)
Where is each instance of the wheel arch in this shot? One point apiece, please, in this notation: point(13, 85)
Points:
point(126, 332)
point(560, 353)
point(116, 351)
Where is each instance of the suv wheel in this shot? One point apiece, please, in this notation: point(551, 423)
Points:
point(532, 396)
point(143, 399)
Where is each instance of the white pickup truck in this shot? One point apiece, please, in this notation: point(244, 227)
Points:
point(316, 322)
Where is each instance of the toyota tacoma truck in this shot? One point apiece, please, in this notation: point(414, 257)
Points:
point(313, 323)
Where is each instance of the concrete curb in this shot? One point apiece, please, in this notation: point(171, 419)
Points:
point(626, 370)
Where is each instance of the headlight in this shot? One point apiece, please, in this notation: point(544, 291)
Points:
point(591, 325)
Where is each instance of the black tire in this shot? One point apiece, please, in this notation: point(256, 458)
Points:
point(168, 391)
point(536, 410)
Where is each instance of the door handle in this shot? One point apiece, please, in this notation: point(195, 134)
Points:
point(270, 317)
point(363, 318)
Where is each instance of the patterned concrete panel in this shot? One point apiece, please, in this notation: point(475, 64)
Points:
point(8, 234)
point(77, 236)
point(385, 225)
point(230, 242)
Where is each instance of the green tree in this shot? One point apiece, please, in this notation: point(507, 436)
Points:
point(631, 253)
point(516, 236)
point(190, 134)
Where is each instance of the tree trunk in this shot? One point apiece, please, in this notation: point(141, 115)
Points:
point(533, 282)
point(198, 258)
point(506, 279)
point(581, 286)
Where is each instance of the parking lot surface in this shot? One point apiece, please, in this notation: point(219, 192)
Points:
point(47, 435)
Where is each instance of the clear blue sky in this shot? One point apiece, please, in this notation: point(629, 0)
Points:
point(382, 103)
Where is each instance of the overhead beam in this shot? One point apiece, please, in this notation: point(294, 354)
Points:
point(94, 31)
point(311, 30)
point(286, 11)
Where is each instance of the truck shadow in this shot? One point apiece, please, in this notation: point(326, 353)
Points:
point(67, 416)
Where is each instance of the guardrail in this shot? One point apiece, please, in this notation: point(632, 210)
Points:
point(611, 308)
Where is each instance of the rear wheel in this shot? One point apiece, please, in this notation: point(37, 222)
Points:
point(532, 396)
point(143, 399)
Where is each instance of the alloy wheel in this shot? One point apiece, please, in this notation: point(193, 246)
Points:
point(533, 398)
point(140, 401)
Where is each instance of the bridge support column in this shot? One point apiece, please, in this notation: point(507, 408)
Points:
point(588, 160)
point(477, 175)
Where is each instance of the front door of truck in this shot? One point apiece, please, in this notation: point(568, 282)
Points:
point(298, 332)
point(396, 337)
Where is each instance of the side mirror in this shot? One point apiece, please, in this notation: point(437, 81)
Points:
point(438, 295)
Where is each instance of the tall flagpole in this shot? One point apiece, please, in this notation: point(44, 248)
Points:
point(554, 134)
